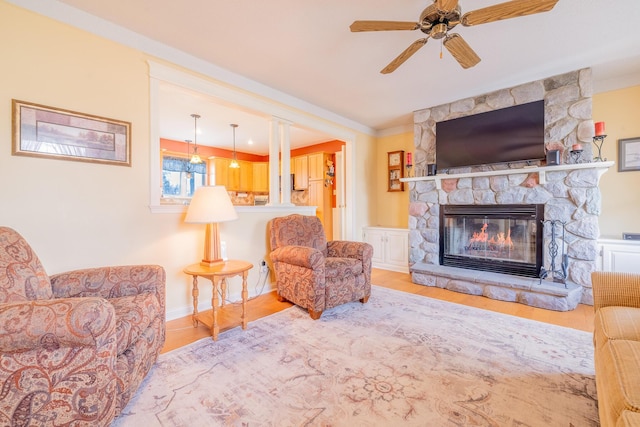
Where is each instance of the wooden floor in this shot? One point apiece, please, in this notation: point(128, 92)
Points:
point(181, 332)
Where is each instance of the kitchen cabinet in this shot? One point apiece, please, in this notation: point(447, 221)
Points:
point(300, 172)
point(390, 247)
point(246, 176)
point(316, 164)
point(622, 256)
point(234, 179)
point(260, 177)
point(220, 171)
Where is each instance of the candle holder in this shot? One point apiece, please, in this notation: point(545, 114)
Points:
point(409, 170)
point(598, 140)
point(576, 156)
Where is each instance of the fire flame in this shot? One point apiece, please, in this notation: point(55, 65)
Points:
point(499, 239)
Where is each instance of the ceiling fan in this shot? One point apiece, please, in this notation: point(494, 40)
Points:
point(442, 16)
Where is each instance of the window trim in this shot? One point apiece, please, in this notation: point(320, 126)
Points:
point(242, 98)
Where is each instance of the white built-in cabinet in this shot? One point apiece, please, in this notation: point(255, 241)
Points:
point(619, 255)
point(390, 247)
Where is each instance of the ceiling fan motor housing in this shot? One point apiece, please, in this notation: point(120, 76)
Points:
point(436, 23)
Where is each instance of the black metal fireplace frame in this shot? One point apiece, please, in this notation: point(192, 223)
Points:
point(520, 211)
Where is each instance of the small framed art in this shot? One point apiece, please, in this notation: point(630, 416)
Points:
point(629, 154)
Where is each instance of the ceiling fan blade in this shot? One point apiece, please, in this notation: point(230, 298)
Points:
point(406, 54)
point(446, 5)
point(461, 51)
point(507, 10)
point(383, 26)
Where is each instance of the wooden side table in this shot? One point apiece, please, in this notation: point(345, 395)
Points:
point(218, 273)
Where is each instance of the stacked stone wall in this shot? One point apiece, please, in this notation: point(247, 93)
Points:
point(571, 196)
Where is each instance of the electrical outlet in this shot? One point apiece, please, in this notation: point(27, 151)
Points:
point(263, 266)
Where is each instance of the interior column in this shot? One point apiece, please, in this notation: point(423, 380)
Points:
point(279, 162)
point(274, 155)
point(285, 169)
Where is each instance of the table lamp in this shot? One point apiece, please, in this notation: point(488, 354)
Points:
point(211, 205)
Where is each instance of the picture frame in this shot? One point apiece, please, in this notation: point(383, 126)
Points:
point(56, 133)
point(629, 154)
point(394, 158)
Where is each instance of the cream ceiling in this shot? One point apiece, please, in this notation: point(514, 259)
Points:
point(302, 53)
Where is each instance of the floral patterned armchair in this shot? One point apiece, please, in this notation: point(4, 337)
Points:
point(313, 273)
point(74, 347)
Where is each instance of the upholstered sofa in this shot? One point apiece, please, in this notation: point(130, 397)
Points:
point(313, 273)
point(74, 347)
point(616, 298)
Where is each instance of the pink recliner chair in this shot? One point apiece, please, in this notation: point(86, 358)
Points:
point(74, 347)
point(313, 273)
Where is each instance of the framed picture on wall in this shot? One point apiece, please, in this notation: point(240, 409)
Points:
point(41, 131)
point(629, 154)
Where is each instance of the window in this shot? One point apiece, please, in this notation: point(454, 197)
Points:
point(180, 178)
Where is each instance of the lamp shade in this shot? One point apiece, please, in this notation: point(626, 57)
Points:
point(210, 204)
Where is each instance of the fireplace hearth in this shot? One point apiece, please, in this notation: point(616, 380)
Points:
point(496, 238)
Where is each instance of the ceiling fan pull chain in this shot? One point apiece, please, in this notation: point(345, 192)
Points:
point(441, 43)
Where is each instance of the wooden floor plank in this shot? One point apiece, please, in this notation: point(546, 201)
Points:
point(181, 332)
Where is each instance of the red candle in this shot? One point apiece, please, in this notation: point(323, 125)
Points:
point(576, 147)
point(409, 159)
point(599, 128)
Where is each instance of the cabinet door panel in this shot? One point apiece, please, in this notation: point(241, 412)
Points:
point(301, 172)
point(316, 167)
point(234, 179)
point(376, 239)
point(390, 248)
point(397, 248)
point(622, 259)
point(221, 173)
point(261, 177)
point(246, 176)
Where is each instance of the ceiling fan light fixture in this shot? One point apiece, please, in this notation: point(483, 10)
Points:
point(234, 162)
point(439, 31)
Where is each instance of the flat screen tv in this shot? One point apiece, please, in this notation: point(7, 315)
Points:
point(510, 134)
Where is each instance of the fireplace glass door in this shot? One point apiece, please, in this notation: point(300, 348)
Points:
point(498, 238)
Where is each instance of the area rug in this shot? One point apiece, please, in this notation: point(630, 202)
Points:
point(400, 359)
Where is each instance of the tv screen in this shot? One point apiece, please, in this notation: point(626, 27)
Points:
point(507, 135)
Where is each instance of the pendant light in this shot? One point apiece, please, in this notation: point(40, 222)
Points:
point(234, 163)
point(187, 165)
point(195, 158)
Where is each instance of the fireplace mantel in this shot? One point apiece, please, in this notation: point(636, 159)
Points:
point(541, 170)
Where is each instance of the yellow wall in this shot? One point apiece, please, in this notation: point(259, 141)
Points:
point(620, 190)
point(392, 207)
point(620, 110)
point(77, 214)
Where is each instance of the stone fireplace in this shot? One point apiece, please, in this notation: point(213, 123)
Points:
point(567, 193)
